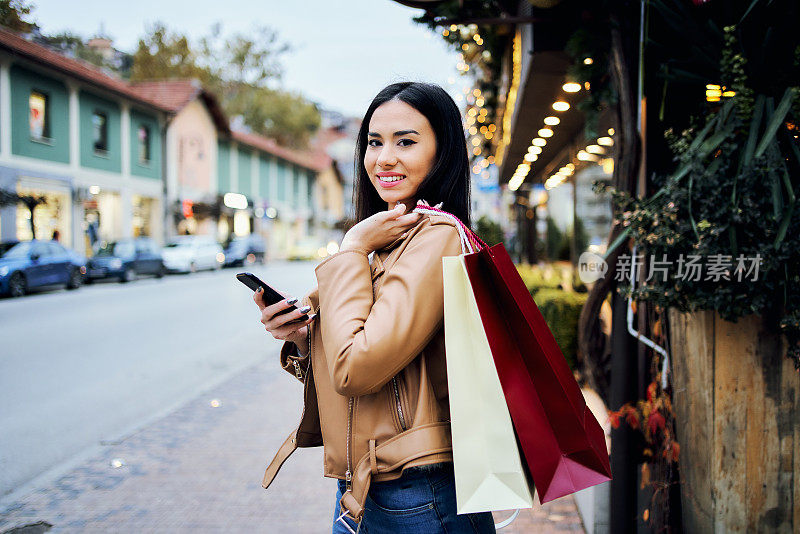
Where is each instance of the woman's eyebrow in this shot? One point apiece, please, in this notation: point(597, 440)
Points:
point(396, 134)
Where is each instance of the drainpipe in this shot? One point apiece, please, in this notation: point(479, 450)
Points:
point(165, 205)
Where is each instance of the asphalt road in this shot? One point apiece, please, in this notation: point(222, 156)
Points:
point(81, 369)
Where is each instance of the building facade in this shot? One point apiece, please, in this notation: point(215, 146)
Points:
point(113, 160)
point(82, 141)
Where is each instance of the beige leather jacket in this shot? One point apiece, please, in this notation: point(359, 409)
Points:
point(376, 387)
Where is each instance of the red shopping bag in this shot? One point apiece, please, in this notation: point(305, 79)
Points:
point(561, 441)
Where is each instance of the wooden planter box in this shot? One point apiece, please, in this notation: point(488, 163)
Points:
point(736, 399)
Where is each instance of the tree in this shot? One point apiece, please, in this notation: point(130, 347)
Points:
point(75, 45)
point(241, 60)
point(282, 115)
point(554, 240)
point(9, 198)
point(30, 202)
point(163, 54)
point(489, 230)
point(242, 70)
point(580, 236)
point(12, 13)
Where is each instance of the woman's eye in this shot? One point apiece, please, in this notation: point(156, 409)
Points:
point(373, 142)
point(406, 142)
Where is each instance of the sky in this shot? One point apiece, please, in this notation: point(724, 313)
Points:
point(344, 51)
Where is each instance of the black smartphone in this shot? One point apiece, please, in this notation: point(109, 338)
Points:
point(270, 295)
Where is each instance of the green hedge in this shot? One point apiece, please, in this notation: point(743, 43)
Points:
point(560, 308)
point(537, 278)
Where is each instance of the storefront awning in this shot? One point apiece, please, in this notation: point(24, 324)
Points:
point(543, 86)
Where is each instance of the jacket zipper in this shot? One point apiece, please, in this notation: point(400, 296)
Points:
point(348, 475)
point(399, 405)
point(305, 381)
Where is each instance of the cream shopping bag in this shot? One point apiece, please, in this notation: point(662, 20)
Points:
point(488, 468)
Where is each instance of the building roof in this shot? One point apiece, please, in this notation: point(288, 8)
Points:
point(175, 95)
point(172, 94)
point(326, 136)
point(81, 70)
point(315, 160)
point(169, 96)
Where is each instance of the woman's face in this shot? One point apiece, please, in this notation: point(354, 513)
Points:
point(401, 149)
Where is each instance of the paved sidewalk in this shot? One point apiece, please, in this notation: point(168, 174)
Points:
point(199, 470)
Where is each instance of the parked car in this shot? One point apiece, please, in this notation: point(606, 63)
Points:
point(245, 250)
point(38, 264)
point(5, 245)
point(126, 259)
point(309, 248)
point(191, 253)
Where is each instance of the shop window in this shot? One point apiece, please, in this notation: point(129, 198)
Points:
point(143, 136)
point(51, 215)
point(39, 116)
point(142, 211)
point(100, 133)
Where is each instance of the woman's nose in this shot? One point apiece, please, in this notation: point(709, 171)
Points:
point(387, 158)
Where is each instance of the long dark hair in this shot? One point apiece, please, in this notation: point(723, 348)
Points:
point(448, 180)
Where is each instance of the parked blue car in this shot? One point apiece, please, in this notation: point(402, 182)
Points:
point(126, 259)
point(245, 250)
point(37, 264)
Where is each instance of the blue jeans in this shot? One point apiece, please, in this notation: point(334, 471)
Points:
point(422, 501)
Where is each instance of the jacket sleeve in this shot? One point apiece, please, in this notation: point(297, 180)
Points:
point(368, 341)
point(290, 358)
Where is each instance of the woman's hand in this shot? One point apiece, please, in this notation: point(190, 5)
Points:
point(277, 324)
point(380, 229)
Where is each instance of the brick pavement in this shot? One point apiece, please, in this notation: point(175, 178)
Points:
point(199, 470)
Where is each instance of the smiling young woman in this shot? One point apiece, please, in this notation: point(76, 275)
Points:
point(401, 149)
point(415, 130)
point(372, 355)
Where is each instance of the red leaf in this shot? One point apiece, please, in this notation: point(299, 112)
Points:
point(614, 417)
point(632, 419)
point(655, 421)
point(651, 392)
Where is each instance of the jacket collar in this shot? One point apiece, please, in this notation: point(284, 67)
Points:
point(403, 238)
point(376, 266)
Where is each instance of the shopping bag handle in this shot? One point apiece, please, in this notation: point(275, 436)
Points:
point(504, 523)
point(469, 240)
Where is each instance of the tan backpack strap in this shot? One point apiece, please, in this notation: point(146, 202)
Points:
point(286, 450)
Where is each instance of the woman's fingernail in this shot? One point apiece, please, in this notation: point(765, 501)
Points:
point(260, 289)
point(291, 301)
point(305, 309)
point(312, 316)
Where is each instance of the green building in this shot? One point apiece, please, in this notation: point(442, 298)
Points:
point(82, 140)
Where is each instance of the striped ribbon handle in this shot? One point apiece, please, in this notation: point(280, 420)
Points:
point(469, 240)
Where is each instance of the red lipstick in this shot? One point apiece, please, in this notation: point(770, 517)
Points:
point(387, 174)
